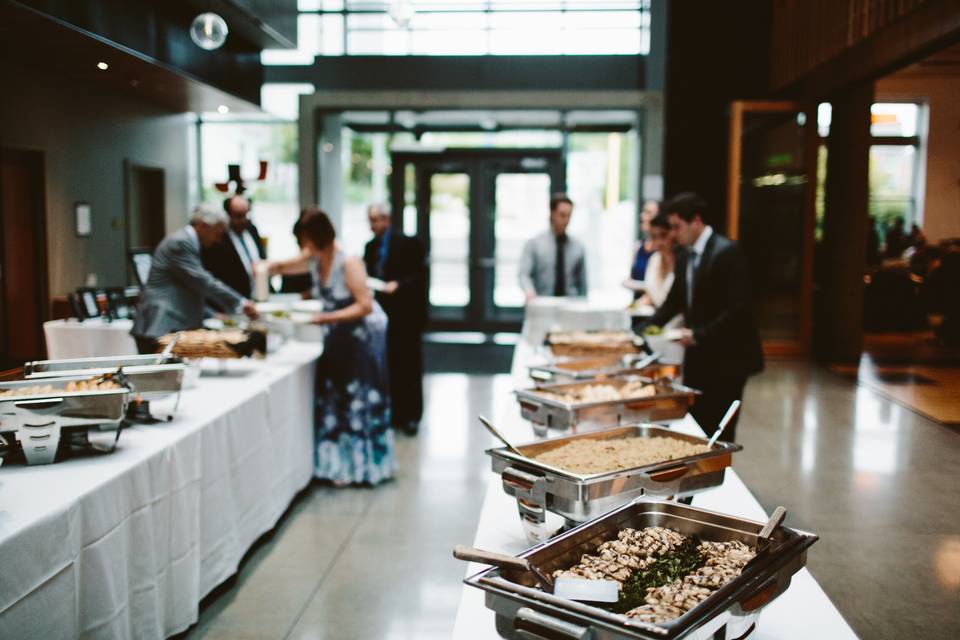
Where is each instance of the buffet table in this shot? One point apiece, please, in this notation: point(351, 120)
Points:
point(125, 545)
point(88, 339)
point(804, 611)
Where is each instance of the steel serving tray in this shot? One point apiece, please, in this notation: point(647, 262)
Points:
point(38, 422)
point(524, 611)
point(540, 487)
point(671, 401)
point(565, 370)
point(619, 343)
point(149, 376)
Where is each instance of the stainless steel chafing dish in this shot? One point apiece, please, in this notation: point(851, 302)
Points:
point(150, 377)
point(539, 487)
point(593, 343)
point(670, 402)
point(524, 611)
point(39, 422)
point(563, 370)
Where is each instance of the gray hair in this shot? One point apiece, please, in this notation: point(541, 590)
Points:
point(209, 214)
point(381, 209)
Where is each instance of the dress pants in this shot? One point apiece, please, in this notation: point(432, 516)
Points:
point(405, 364)
point(718, 393)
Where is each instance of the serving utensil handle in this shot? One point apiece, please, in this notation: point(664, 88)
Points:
point(776, 519)
point(470, 554)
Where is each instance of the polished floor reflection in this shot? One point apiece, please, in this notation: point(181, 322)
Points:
point(876, 481)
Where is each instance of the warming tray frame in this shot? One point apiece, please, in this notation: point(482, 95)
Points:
point(539, 487)
point(148, 378)
point(671, 402)
point(574, 369)
point(521, 607)
point(38, 422)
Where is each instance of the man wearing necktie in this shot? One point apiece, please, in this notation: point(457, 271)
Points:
point(712, 289)
point(553, 263)
point(400, 261)
point(231, 260)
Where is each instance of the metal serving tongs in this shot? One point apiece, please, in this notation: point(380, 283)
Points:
point(763, 538)
point(168, 350)
point(499, 436)
point(726, 420)
point(569, 588)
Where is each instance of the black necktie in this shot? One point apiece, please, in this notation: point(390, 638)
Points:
point(560, 276)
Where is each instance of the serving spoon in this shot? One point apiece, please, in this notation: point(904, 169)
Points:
point(726, 420)
point(499, 436)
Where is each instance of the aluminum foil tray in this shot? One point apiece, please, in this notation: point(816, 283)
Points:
point(523, 611)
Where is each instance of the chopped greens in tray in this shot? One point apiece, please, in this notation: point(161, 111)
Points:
point(662, 573)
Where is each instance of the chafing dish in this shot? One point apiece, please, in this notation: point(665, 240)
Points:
point(577, 369)
point(593, 343)
point(524, 611)
point(671, 401)
point(149, 376)
point(39, 422)
point(539, 487)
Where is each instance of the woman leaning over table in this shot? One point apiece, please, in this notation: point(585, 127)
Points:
point(658, 277)
point(354, 442)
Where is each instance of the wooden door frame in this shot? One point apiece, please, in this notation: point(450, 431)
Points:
point(129, 166)
point(38, 160)
point(738, 108)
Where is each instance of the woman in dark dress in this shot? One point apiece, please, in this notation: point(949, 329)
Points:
point(354, 441)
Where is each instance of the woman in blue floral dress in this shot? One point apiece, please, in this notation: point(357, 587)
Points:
point(354, 441)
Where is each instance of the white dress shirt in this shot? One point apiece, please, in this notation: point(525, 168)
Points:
point(247, 249)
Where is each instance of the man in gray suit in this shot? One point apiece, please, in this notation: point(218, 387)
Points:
point(553, 263)
point(179, 286)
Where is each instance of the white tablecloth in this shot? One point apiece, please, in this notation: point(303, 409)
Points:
point(804, 611)
point(88, 339)
point(125, 545)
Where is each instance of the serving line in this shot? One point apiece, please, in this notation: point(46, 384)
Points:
point(803, 612)
point(126, 545)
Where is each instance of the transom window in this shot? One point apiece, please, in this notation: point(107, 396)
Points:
point(466, 27)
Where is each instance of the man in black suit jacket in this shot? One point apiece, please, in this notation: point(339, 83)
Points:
point(711, 287)
point(401, 262)
point(231, 260)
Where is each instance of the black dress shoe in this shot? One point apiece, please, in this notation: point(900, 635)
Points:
point(411, 428)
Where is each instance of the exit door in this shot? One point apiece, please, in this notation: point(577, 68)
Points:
point(474, 209)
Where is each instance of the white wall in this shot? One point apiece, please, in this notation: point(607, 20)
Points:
point(941, 210)
point(86, 133)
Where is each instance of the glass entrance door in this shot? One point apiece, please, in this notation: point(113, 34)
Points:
point(474, 210)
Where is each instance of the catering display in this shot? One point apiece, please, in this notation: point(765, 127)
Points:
point(62, 413)
point(221, 344)
point(684, 572)
point(593, 343)
point(582, 476)
point(149, 377)
point(604, 402)
point(562, 370)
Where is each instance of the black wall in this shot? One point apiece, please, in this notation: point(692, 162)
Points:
point(716, 52)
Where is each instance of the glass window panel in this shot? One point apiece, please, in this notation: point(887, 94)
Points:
point(391, 42)
point(601, 19)
point(526, 42)
point(891, 170)
point(449, 42)
point(283, 99)
point(331, 35)
point(376, 21)
point(275, 200)
point(309, 5)
point(601, 41)
point(332, 5)
point(450, 20)
point(449, 239)
point(533, 21)
point(522, 203)
point(308, 44)
point(894, 119)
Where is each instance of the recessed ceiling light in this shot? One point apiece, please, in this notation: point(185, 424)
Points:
point(103, 66)
point(223, 109)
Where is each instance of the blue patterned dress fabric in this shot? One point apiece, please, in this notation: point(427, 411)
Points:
point(354, 440)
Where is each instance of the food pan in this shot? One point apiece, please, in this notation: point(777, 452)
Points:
point(150, 377)
point(671, 401)
point(593, 343)
point(566, 370)
point(539, 487)
point(523, 611)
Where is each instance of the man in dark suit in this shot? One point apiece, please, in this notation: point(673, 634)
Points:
point(711, 287)
point(400, 261)
point(231, 260)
